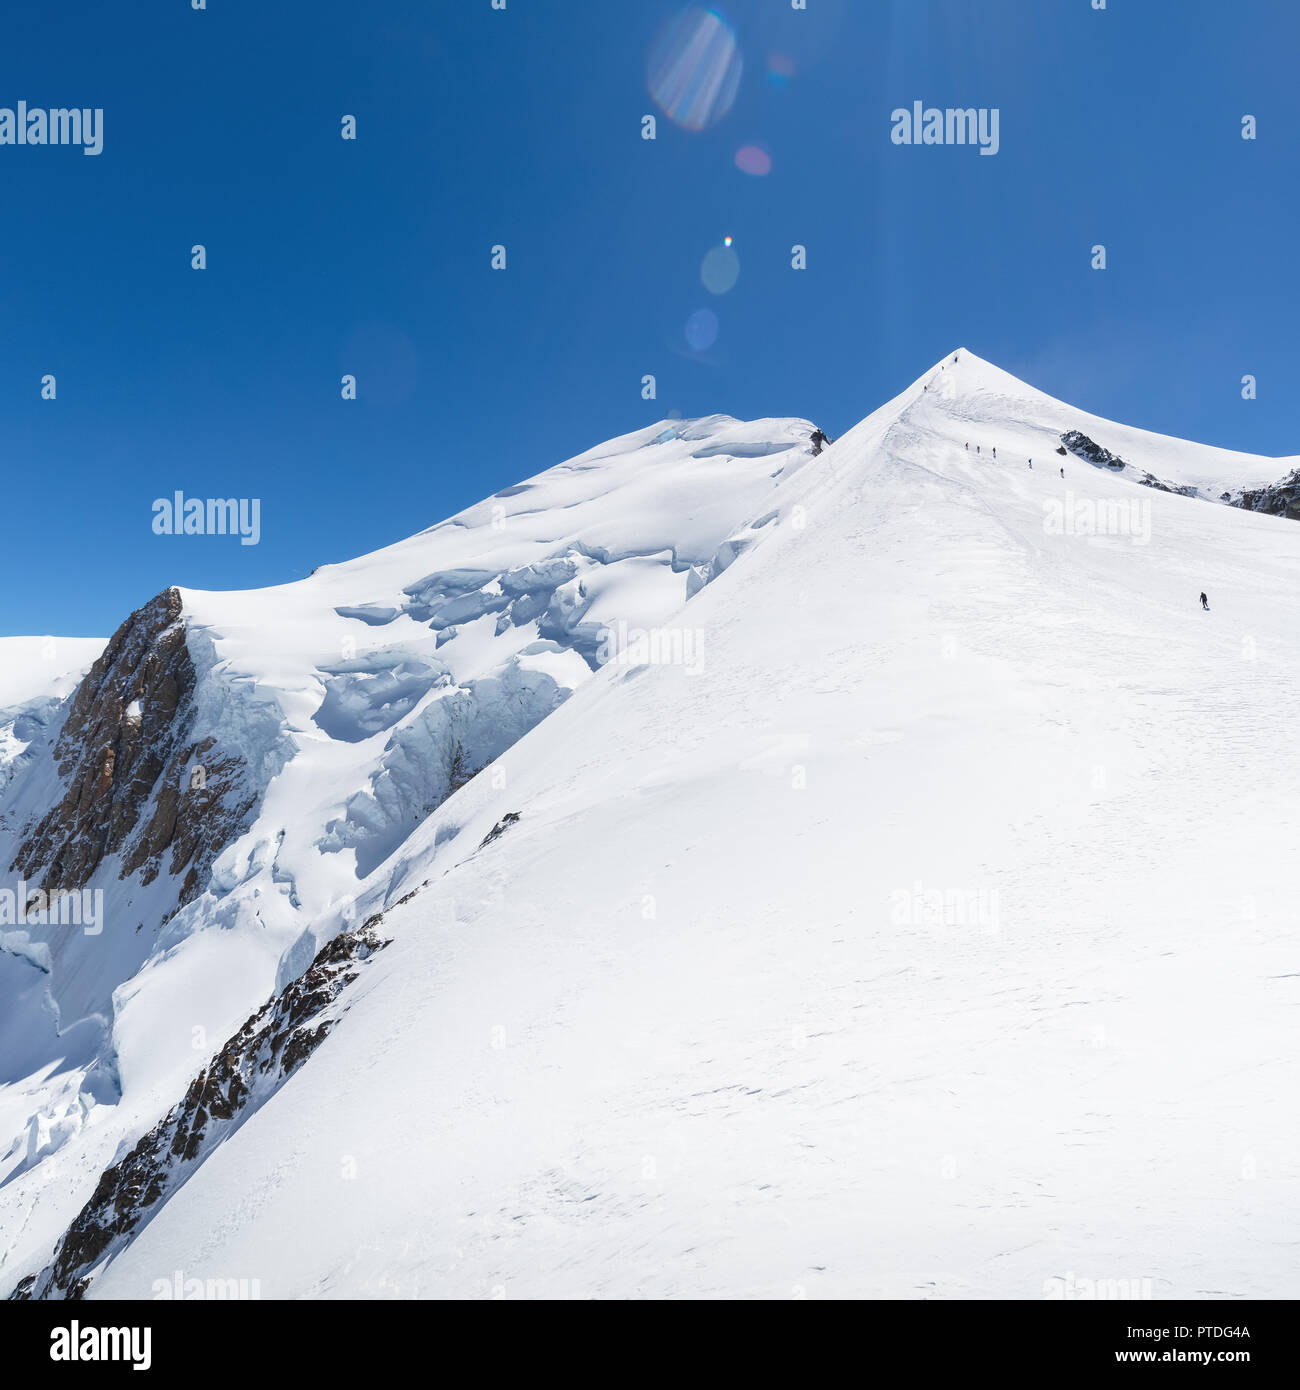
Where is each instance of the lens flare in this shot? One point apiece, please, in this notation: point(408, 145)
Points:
point(754, 159)
point(780, 69)
point(726, 241)
point(702, 330)
point(694, 68)
point(720, 270)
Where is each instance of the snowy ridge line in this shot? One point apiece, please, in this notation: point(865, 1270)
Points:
point(319, 723)
point(900, 616)
point(243, 1076)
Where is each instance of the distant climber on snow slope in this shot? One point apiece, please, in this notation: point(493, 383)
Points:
point(1205, 603)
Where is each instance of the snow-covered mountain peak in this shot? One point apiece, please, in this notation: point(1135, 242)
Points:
point(977, 402)
point(715, 821)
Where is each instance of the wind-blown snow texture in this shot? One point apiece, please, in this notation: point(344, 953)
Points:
point(929, 932)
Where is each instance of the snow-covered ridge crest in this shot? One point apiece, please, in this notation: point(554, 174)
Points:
point(1028, 423)
point(238, 770)
point(446, 714)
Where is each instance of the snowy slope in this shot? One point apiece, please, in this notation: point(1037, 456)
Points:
point(36, 667)
point(1028, 423)
point(931, 934)
point(36, 675)
point(268, 751)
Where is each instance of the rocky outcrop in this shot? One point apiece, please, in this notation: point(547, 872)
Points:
point(1181, 490)
point(242, 1076)
point(500, 828)
point(1090, 451)
point(136, 783)
point(1277, 499)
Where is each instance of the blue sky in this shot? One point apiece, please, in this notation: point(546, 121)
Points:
point(522, 127)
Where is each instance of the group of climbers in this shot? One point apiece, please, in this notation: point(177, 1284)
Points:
point(995, 454)
point(1205, 602)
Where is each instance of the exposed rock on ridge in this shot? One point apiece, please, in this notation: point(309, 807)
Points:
point(136, 784)
point(241, 1077)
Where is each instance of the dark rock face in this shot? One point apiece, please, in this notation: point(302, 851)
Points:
point(113, 745)
point(1182, 490)
point(1090, 451)
point(1277, 499)
point(126, 757)
point(243, 1075)
point(500, 828)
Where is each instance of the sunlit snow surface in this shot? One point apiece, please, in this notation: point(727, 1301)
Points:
point(694, 1025)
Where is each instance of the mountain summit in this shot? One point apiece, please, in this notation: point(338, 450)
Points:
point(720, 865)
